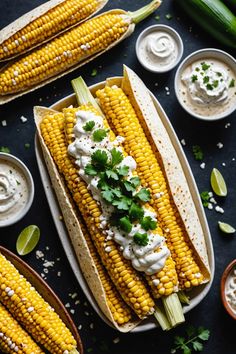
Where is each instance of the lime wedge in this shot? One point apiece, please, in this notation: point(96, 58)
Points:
point(226, 228)
point(27, 240)
point(218, 183)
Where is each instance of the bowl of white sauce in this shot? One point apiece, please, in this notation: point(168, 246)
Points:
point(159, 48)
point(205, 84)
point(228, 289)
point(16, 189)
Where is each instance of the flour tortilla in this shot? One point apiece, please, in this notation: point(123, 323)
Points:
point(143, 104)
point(7, 98)
point(81, 249)
point(32, 15)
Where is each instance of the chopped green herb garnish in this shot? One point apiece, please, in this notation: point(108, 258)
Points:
point(157, 17)
point(232, 83)
point(209, 87)
point(90, 170)
point(123, 170)
point(94, 72)
point(197, 69)
point(168, 16)
point(99, 159)
point(99, 135)
point(206, 79)
point(215, 83)
point(135, 181)
point(129, 186)
point(111, 174)
point(197, 152)
point(5, 149)
point(205, 198)
point(89, 126)
point(148, 223)
point(108, 195)
point(125, 224)
point(194, 78)
point(218, 74)
point(136, 212)
point(192, 340)
point(27, 145)
point(205, 66)
point(141, 239)
point(116, 157)
point(143, 195)
point(17, 182)
point(123, 203)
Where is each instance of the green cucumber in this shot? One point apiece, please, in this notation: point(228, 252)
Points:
point(214, 17)
point(231, 4)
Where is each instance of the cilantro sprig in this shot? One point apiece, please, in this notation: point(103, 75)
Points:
point(99, 135)
point(193, 341)
point(197, 152)
point(205, 198)
point(141, 239)
point(88, 127)
point(148, 223)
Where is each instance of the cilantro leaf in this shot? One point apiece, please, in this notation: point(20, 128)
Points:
point(205, 198)
point(89, 126)
point(179, 340)
point(190, 331)
point(111, 174)
point(232, 83)
point(215, 83)
point(183, 344)
point(197, 346)
point(123, 170)
point(99, 159)
point(197, 152)
point(125, 224)
point(90, 170)
point(102, 183)
point(123, 203)
point(135, 181)
point(136, 212)
point(209, 87)
point(128, 186)
point(99, 135)
point(204, 334)
point(143, 195)
point(117, 192)
point(141, 239)
point(186, 349)
point(94, 72)
point(116, 157)
point(108, 195)
point(205, 66)
point(206, 79)
point(148, 223)
point(5, 149)
point(194, 78)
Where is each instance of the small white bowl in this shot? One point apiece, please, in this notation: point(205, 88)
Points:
point(160, 28)
point(202, 54)
point(20, 166)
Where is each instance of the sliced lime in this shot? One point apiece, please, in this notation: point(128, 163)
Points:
point(27, 240)
point(218, 183)
point(226, 228)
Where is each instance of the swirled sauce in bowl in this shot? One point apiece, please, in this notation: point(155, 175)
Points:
point(16, 189)
point(159, 48)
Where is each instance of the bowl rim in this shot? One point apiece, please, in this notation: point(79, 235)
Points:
point(24, 169)
point(222, 287)
point(177, 74)
point(177, 38)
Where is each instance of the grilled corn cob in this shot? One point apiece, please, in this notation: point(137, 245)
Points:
point(33, 312)
point(13, 339)
point(164, 282)
point(126, 279)
point(70, 48)
point(124, 121)
point(60, 17)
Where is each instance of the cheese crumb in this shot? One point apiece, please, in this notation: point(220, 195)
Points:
point(4, 123)
point(116, 340)
point(210, 206)
point(23, 119)
point(219, 145)
point(223, 164)
point(203, 165)
point(219, 209)
point(183, 142)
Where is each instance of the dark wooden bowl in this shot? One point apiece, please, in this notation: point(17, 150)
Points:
point(222, 288)
point(45, 291)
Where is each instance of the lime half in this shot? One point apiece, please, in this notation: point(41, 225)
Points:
point(27, 240)
point(218, 183)
point(226, 228)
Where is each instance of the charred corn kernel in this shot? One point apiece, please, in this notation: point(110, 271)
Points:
point(52, 130)
point(57, 19)
point(13, 339)
point(35, 315)
point(63, 52)
point(169, 272)
point(124, 121)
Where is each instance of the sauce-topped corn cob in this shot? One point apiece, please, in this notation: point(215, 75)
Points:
point(33, 312)
point(67, 13)
point(13, 339)
point(71, 48)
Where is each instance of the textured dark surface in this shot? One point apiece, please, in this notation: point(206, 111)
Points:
point(210, 313)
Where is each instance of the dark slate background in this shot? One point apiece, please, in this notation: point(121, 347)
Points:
point(96, 335)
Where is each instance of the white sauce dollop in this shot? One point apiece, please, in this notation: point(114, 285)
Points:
point(158, 50)
point(230, 290)
point(143, 258)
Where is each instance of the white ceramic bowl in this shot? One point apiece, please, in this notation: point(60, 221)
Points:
point(30, 183)
point(204, 54)
point(169, 30)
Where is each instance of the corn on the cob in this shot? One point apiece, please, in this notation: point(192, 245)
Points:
point(124, 121)
point(167, 277)
point(60, 17)
point(33, 312)
point(126, 279)
point(13, 339)
point(70, 48)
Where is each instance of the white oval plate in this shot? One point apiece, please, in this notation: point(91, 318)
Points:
point(197, 294)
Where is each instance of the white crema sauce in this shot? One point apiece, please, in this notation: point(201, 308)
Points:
point(208, 87)
point(143, 258)
point(158, 50)
point(14, 192)
point(230, 290)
